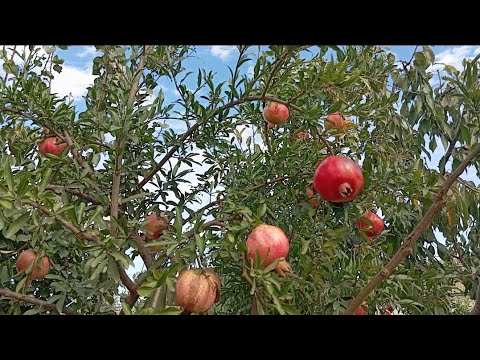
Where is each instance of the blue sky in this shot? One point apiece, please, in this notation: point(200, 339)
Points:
point(76, 76)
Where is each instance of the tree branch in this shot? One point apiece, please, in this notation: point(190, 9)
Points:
point(129, 283)
point(87, 235)
point(450, 148)
point(144, 252)
point(74, 192)
point(199, 123)
point(409, 241)
point(34, 301)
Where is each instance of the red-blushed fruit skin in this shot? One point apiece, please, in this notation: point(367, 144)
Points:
point(270, 125)
point(25, 259)
point(362, 309)
point(51, 145)
point(336, 120)
point(154, 225)
point(336, 175)
point(301, 135)
point(311, 197)
point(275, 113)
point(270, 242)
point(196, 292)
point(368, 229)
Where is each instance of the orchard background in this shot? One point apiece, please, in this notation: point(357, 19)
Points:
point(158, 132)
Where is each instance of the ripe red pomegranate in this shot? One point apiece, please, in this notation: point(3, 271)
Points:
point(301, 135)
point(51, 145)
point(26, 258)
point(370, 230)
point(154, 227)
point(197, 290)
point(362, 309)
point(338, 121)
point(275, 113)
point(312, 197)
point(338, 179)
point(270, 242)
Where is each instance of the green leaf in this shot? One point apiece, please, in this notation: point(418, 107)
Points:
point(170, 310)
point(122, 258)
point(16, 225)
point(6, 204)
point(7, 174)
point(133, 197)
point(144, 291)
point(21, 285)
point(178, 221)
point(79, 212)
point(60, 303)
point(262, 210)
point(45, 180)
point(271, 266)
point(200, 241)
point(126, 308)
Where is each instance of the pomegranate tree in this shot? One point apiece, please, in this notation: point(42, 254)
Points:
point(337, 121)
point(197, 290)
point(26, 258)
point(275, 113)
point(51, 145)
point(370, 229)
point(338, 179)
point(271, 243)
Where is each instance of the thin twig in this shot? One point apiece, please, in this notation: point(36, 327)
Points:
point(74, 192)
point(325, 142)
point(280, 178)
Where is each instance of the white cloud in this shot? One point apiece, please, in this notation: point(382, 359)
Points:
point(73, 81)
point(251, 71)
point(222, 51)
point(454, 56)
point(87, 51)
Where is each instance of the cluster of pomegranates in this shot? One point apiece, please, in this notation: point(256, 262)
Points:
point(336, 179)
